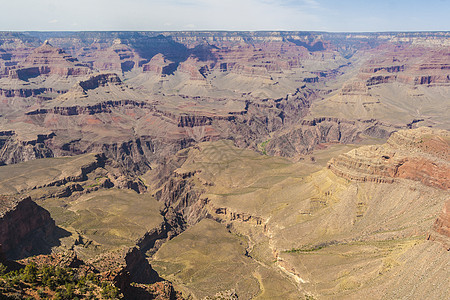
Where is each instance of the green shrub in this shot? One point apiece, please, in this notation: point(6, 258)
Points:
point(110, 291)
point(30, 273)
point(2, 269)
point(41, 293)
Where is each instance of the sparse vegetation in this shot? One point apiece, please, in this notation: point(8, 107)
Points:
point(263, 147)
point(2, 269)
point(311, 249)
point(49, 282)
point(295, 250)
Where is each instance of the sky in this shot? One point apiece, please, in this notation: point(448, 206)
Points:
point(167, 15)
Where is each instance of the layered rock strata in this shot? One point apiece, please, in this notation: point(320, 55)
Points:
point(310, 134)
point(421, 155)
point(48, 60)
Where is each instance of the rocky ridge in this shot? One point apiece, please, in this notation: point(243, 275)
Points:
point(421, 154)
point(310, 134)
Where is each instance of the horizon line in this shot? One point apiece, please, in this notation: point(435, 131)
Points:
point(226, 30)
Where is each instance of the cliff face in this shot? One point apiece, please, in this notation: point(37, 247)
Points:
point(129, 265)
point(441, 228)
point(181, 198)
point(408, 65)
point(25, 228)
point(16, 149)
point(48, 60)
point(99, 80)
point(310, 134)
point(420, 155)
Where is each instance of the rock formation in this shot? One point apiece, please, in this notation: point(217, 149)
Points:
point(48, 60)
point(157, 64)
point(441, 228)
point(321, 131)
point(25, 227)
point(421, 155)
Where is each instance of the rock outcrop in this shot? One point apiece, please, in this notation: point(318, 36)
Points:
point(15, 148)
point(194, 68)
point(421, 155)
point(48, 60)
point(440, 231)
point(408, 65)
point(25, 227)
point(119, 58)
point(158, 64)
point(307, 136)
point(127, 269)
point(126, 265)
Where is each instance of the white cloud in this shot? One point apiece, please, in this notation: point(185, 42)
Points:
point(53, 21)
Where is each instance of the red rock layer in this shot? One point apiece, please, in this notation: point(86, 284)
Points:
point(48, 60)
point(156, 64)
point(118, 57)
point(421, 155)
point(409, 65)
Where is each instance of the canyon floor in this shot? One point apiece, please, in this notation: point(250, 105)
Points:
point(225, 165)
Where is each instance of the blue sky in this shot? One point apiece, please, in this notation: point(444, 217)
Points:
point(319, 15)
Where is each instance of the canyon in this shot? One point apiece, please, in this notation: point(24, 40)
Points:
point(229, 165)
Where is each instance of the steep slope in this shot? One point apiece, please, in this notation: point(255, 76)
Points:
point(330, 236)
point(26, 228)
point(420, 155)
point(99, 225)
